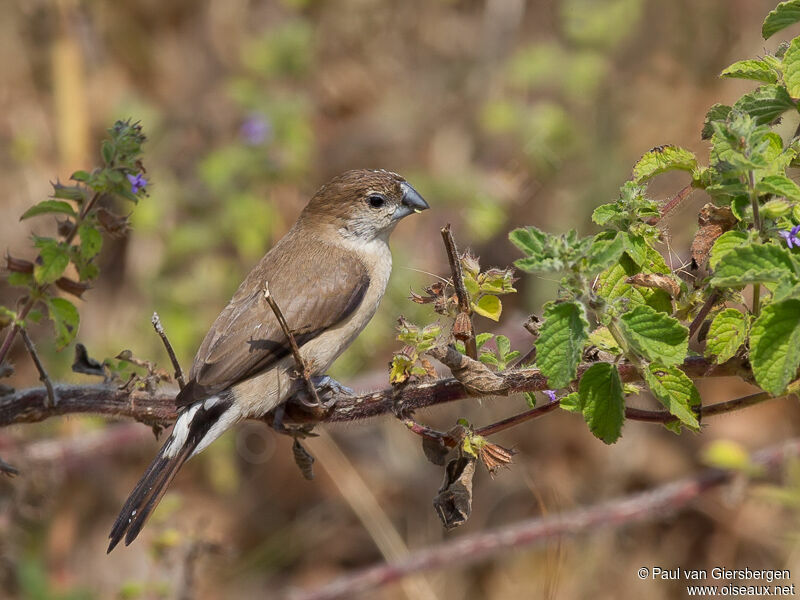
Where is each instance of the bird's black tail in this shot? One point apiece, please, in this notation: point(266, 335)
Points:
point(196, 427)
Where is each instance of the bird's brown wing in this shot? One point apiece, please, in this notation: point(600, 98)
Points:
point(316, 286)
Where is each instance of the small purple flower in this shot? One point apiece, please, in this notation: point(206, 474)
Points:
point(550, 394)
point(255, 130)
point(138, 183)
point(791, 236)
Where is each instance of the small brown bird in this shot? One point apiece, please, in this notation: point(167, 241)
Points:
point(327, 274)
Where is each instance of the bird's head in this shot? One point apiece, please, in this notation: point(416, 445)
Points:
point(363, 204)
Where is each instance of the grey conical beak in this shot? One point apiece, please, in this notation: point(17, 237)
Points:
point(412, 202)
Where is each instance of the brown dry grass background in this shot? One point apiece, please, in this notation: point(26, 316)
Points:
point(502, 113)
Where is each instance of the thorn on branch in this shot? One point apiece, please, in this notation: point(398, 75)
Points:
point(463, 327)
point(156, 321)
point(43, 377)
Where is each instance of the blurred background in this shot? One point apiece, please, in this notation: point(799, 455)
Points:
point(502, 113)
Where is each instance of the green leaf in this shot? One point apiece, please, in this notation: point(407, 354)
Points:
point(488, 306)
point(605, 213)
point(673, 388)
point(81, 176)
point(602, 401)
point(503, 345)
point(65, 319)
point(91, 241)
point(753, 263)
point(785, 14)
point(20, 279)
point(779, 185)
point(561, 341)
point(644, 255)
point(107, 151)
point(724, 244)
point(530, 240)
point(718, 112)
point(765, 104)
point(571, 402)
point(530, 399)
point(53, 260)
point(604, 252)
point(727, 333)
point(612, 284)
point(757, 70)
point(775, 345)
point(654, 335)
point(602, 338)
point(48, 207)
point(482, 338)
point(662, 159)
point(791, 68)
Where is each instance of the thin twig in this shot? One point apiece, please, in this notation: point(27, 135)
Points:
point(156, 321)
point(461, 291)
point(43, 377)
point(301, 366)
point(459, 553)
point(704, 310)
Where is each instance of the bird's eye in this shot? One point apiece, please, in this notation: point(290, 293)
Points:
point(376, 201)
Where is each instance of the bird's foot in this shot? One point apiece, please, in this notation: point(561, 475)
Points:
point(293, 431)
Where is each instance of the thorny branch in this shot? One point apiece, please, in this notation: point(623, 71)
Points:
point(652, 504)
point(463, 325)
point(32, 405)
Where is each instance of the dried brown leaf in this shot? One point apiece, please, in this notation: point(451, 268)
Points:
point(453, 503)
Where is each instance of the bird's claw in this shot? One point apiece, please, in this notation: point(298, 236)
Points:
point(328, 391)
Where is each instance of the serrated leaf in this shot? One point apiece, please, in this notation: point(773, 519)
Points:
point(765, 104)
point(718, 112)
point(791, 68)
point(663, 159)
point(644, 255)
point(604, 252)
point(53, 260)
point(753, 263)
point(503, 345)
point(780, 185)
point(612, 284)
point(775, 345)
point(654, 335)
point(530, 240)
point(65, 320)
point(783, 15)
point(673, 388)
point(49, 207)
point(482, 338)
point(488, 306)
point(727, 333)
point(560, 344)
point(724, 244)
point(605, 213)
point(571, 402)
point(602, 401)
point(757, 70)
point(602, 339)
point(91, 241)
